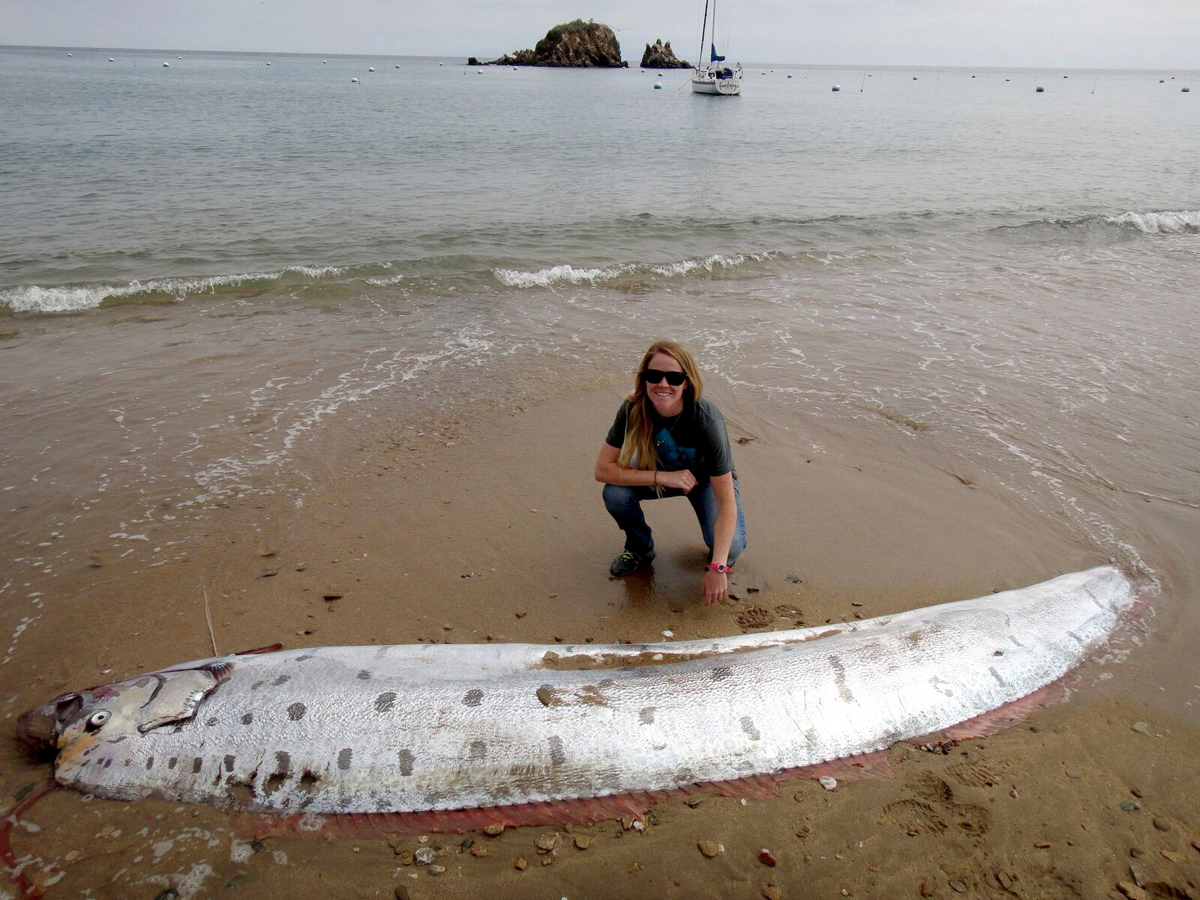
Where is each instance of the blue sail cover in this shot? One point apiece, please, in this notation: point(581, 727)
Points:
point(714, 56)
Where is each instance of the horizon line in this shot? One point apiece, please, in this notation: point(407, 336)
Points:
point(902, 66)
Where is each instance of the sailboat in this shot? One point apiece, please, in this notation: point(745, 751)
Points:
point(716, 77)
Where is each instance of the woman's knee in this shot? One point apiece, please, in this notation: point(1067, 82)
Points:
point(618, 498)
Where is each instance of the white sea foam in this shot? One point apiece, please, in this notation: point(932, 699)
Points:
point(570, 275)
point(1165, 222)
point(557, 274)
point(35, 299)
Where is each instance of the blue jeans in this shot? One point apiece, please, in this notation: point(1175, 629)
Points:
point(625, 505)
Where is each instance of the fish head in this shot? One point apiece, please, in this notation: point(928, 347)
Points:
point(74, 724)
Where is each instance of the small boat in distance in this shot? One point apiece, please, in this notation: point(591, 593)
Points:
point(715, 77)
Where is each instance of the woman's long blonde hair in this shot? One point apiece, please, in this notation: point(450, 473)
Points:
point(638, 450)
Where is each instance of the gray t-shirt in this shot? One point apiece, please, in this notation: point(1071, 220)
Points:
point(695, 439)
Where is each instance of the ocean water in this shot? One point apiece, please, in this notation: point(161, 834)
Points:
point(205, 267)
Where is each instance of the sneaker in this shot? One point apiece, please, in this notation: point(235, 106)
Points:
point(629, 562)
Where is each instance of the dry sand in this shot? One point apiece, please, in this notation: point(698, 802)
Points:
point(490, 526)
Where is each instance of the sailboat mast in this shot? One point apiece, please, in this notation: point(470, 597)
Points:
point(712, 47)
point(703, 29)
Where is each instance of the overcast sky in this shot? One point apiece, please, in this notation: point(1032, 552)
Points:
point(1151, 34)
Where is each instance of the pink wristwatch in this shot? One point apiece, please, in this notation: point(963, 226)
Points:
point(718, 567)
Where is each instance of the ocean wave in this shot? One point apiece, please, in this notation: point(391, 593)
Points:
point(77, 298)
point(1164, 222)
point(567, 274)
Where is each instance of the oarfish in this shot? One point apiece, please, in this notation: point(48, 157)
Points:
point(442, 727)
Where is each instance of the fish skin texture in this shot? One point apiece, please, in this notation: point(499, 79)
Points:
point(412, 728)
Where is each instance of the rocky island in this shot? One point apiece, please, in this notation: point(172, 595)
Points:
point(660, 56)
point(577, 44)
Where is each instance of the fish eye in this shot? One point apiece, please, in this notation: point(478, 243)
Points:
point(98, 718)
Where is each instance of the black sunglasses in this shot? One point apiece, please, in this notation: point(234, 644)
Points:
point(655, 376)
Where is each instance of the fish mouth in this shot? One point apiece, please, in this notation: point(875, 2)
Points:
point(39, 728)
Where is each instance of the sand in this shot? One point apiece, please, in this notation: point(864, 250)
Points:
point(489, 526)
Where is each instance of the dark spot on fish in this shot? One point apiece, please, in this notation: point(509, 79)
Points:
point(364, 675)
point(211, 722)
point(344, 758)
point(433, 798)
point(607, 682)
point(229, 761)
point(406, 761)
point(296, 711)
point(274, 782)
point(839, 675)
point(721, 672)
point(283, 762)
point(257, 685)
point(687, 776)
point(150, 763)
point(384, 702)
point(557, 756)
point(282, 679)
point(478, 751)
point(247, 718)
point(748, 726)
point(108, 762)
point(197, 765)
point(646, 716)
point(172, 761)
point(473, 697)
point(302, 658)
point(545, 694)
point(308, 780)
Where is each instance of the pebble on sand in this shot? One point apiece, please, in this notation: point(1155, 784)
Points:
point(521, 865)
point(769, 890)
point(1132, 891)
point(582, 841)
point(767, 858)
point(709, 848)
point(1141, 727)
point(828, 782)
point(494, 829)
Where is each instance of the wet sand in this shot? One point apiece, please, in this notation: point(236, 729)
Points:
point(489, 526)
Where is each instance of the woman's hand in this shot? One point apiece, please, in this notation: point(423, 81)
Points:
point(682, 480)
point(714, 587)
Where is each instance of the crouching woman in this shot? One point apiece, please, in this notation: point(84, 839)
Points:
point(667, 441)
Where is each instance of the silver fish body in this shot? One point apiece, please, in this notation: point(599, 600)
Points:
point(437, 727)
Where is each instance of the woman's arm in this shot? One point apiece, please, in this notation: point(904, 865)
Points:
point(609, 471)
point(716, 584)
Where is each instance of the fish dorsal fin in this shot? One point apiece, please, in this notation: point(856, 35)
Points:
point(270, 648)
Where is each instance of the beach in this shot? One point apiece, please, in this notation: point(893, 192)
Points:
point(367, 410)
point(407, 515)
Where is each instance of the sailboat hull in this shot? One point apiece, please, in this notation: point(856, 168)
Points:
point(704, 81)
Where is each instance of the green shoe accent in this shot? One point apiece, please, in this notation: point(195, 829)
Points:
point(629, 562)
